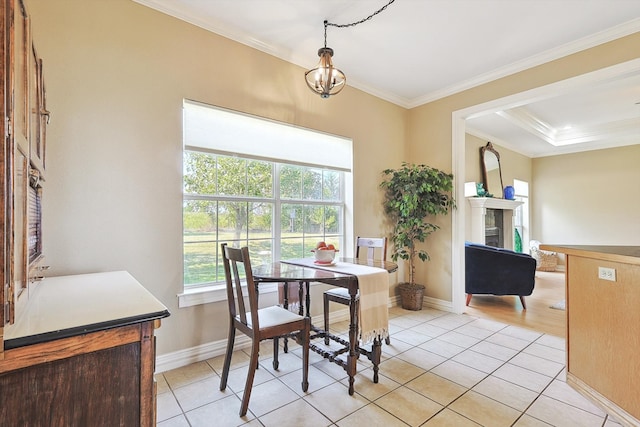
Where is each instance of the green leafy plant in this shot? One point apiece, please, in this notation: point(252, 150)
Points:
point(414, 193)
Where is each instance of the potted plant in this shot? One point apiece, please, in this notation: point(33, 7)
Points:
point(413, 194)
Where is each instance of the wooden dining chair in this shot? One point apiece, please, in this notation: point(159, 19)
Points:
point(258, 324)
point(341, 295)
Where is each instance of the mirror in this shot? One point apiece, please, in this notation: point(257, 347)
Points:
point(491, 172)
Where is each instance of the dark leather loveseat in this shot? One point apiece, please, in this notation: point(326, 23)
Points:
point(497, 271)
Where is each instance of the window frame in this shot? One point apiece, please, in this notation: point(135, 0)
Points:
point(276, 202)
point(235, 134)
point(195, 294)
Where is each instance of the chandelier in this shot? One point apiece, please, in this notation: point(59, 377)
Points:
point(326, 80)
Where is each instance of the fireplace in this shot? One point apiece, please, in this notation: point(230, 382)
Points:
point(493, 228)
point(492, 221)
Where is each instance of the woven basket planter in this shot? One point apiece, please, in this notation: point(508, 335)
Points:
point(411, 297)
point(545, 260)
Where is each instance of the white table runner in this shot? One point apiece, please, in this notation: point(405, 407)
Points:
point(373, 284)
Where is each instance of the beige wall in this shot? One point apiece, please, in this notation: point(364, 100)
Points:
point(590, 198)
point(117, 73)
point(429, 136)
point(513, 165)
point(472, 158)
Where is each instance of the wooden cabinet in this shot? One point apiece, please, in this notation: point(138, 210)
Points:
point(20, 53)
point(103, 378)
point(26, 101)
point(25, 119)
point(603, 342)
point(82, 354)
point(39, 116)
point(78, 350)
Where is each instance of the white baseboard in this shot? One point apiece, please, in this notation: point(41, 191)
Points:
point(187, 356)
point(438, 304)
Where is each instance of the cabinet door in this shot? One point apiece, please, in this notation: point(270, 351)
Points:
point(19, 273)
point(44, 117)
point(21, 54)
point(100, 388)
point(5, 226)
point(36, 152)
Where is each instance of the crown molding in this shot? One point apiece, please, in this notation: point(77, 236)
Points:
point(523, 118)
point(233, 34)
point(616, 130)
point(174, 10)
point(497, 141)
point(526, 120)
point(221, 29)
point(584, 43)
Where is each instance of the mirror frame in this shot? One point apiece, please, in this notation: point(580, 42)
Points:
point(485, 181)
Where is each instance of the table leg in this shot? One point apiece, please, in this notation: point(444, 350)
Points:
point(352, 359)
point(286, 307)
point(308, 298)
point(376, 350)
point(285, 300)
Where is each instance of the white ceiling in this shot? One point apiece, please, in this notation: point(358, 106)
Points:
point(417, 51)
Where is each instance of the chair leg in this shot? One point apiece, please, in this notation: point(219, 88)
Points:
point(275, 354)
point(469, 298)
point(326, 319)
point(253, 364)
point(305, 355)
point(524, 306)
point(227, 357)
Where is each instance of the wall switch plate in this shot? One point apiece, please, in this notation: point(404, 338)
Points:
point(605, 273)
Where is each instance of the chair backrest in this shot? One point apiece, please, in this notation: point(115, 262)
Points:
point(372, 243)
point(232, 257)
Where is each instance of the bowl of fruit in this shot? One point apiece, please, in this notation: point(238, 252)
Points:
point(324, 254)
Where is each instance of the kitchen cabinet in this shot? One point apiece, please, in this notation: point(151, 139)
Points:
point(603, 343)
point(82, 354)
point(22, 160)
point(75, 350)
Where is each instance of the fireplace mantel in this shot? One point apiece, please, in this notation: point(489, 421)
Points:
point(479, 206)
point(493, 203)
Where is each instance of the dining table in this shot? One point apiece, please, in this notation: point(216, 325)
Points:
point(302, 272)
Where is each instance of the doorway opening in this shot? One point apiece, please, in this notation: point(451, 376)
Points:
point(458, 154)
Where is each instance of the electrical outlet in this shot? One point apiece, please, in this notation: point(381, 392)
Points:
point(605, 273)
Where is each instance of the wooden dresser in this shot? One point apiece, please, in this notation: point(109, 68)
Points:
point(74, 350)
point(603, 322)
point(82, 354)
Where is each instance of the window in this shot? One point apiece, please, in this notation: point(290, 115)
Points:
point(521, 216)
point(264, 194)
point(277, 210)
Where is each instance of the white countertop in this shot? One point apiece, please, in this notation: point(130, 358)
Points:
point(84, 301)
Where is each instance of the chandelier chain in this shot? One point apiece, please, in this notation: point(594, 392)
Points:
point(326, 80)
point(353, 24)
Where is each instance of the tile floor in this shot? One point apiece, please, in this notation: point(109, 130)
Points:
point(441, 369)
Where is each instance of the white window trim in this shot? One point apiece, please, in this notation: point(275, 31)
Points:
point(198, 295)
point(214, 293)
